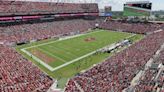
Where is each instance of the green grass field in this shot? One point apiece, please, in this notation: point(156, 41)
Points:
point(60, 52)
point(56, 53)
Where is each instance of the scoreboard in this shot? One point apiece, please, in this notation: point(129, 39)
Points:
point(137, 8)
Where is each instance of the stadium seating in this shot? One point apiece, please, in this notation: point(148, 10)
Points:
point(116, 73)
point(26, 7)
point(71, 86)
point(146, 83)
point(27, 32)
point(39, 31)
point(160, 58)
point(130, 27)
point(19, 75)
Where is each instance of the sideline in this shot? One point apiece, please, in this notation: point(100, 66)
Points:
point(65, 64)
point(70, 37)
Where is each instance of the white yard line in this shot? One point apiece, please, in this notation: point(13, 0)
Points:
point(62, 39)
point(52, 55)
point(130, 36)
point(64, 52)
point(56, 68)
point(77, 59)
point(38, 60)
point(63, 65)
point(67, 51)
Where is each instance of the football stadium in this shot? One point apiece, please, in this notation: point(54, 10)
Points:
point(61, 46)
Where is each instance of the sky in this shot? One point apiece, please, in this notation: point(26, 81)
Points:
point(117, 5)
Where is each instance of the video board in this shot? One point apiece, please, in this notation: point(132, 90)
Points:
point(137, 9)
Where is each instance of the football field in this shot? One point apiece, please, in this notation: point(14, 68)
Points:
point(64, 58)
point(60, 53)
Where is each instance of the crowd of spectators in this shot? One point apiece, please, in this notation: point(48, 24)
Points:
point(27, 7)
point(114, 75)
point(151, 81)
point(117, 72)
point(160, 80)
point(141, 28)
point(160, 59)
point(19, 75)
point(71, 86)
point(147, 82)
point(38, 31)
